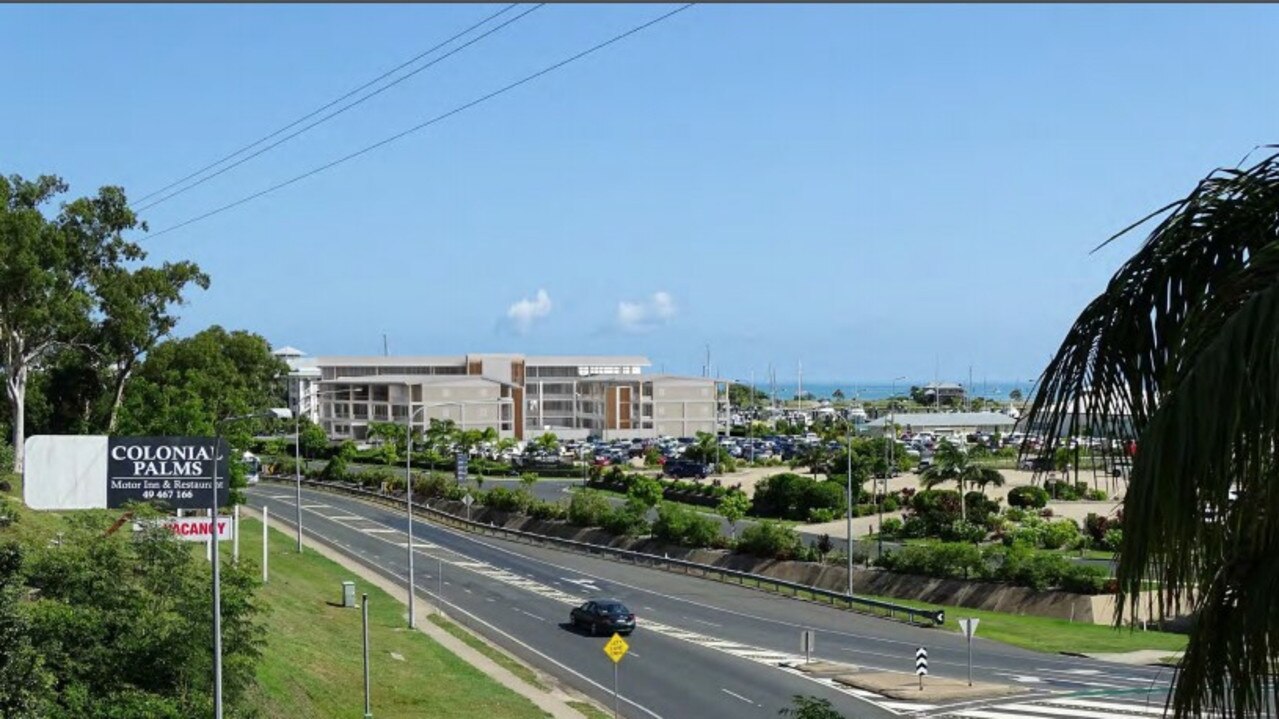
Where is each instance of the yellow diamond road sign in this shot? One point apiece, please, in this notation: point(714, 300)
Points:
point(616, 648)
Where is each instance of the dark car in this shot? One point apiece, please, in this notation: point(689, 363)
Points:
point(603, 616)
point(684, 468)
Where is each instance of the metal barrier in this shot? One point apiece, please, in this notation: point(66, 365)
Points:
point(913, 615)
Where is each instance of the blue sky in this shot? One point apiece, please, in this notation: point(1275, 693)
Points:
point(872, 190)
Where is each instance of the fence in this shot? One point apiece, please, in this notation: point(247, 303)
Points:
point(891, 610)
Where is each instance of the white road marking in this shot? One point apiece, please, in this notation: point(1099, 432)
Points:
point(735, 695)
point(1057, 711)
point(529, 614)
point(984, 714)
point(1091, 704)
point(907, 706)
point(703, 621)
point(342, 517)
point(377, 530)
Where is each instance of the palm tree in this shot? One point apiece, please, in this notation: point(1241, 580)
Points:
point(951, 463)
point(1181, 351)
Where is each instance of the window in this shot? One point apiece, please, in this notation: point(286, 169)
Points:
point(360, 411)
point(399, 411)
point(380, 413)
point(380, 393)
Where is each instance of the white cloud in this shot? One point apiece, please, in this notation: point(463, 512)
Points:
point(648, 314)
point(522, 313)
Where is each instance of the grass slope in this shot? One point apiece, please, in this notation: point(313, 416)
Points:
point(312, 665)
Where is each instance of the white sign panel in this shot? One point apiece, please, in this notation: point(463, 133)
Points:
point(65, 472)
point(969, 626)
point(196, 529)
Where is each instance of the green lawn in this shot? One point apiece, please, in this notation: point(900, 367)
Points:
point(311, 664)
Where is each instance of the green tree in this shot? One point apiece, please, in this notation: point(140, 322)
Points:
point(1180, 350)
point(546, 442)
point(803, 707)
point(1015, 395)
point(732, 507)
point(951, 463)
point(837, 394)
point(186, 385)
point(313, 440)
point(646, 491)
point(64, 280)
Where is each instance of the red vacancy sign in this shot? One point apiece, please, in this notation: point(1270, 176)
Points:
point(196, 529)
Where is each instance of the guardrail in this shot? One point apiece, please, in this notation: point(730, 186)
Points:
point(891, 610)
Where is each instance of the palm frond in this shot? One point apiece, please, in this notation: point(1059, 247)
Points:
point(1182, 351)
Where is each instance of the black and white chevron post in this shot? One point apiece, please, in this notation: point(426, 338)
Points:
point(921, 665)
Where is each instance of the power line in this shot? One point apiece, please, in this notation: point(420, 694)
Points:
point(428, 123)
point(322, 108)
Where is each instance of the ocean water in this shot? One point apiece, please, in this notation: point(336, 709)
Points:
point(860, 390)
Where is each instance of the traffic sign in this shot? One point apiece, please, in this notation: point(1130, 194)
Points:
point(468, 500)
point(461, 464)
point(616, 648)
point(969, 626)
point(807, 643)
point(921, 662)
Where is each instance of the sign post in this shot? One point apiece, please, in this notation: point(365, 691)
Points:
point(266, 516)
point(921, 665)
point(807, 642)
point(468, 500)
point(970, 628)
point(462, 459)
point(616, 649)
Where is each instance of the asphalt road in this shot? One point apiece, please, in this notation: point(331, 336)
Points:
point(703, 649)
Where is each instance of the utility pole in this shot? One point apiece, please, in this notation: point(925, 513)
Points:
point(848, 523)
point(386, 348)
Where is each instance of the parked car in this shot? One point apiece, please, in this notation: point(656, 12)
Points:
point(603, 616)
point(685, 468)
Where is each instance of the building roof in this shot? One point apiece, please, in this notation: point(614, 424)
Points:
point(392, 360)
point(422, 379)
point(946, 419)
point(660, 377)
point(287, 351)
point(587, 360)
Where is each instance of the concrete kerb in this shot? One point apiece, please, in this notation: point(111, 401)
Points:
point(554, 703)
point(896, 685)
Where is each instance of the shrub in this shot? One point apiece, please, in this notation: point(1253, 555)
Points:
point(890, 504)
point(792, 496)
point(1095, 525)
point(979, 507)
point(1112, 540)
point(942, 559)
point(337, 470)
point(588, 509)
point(964, 531)
point(818, 516)
point(541, 509)
point(1096, 495)
point(431, 485)
point(913, 528)
point(508, 500)
point(769, 539)
point(1060, 534)
point(680, 525)
point(375, 477)
point(627, 520)
point(938, 508)
point(1066, 491)
point(1085, 579)
point(891, 527)
point(1015, 514)
point(1027, 497)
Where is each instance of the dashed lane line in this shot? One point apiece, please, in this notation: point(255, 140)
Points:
point(782, 660)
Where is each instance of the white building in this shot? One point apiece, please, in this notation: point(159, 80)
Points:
point(572, 396)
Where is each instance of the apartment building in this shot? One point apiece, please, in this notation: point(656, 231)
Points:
point(572, 396)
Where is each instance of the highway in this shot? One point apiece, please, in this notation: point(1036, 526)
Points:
point(703, 648)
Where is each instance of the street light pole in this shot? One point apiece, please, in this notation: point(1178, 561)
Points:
point(297, 468)
point(217, 581)
point(848, 450)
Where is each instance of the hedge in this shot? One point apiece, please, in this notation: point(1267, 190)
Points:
point(1018, 565)
point(1027, 497)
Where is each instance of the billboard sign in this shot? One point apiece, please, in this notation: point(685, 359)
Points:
point(96, 472)
point(173, 471)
